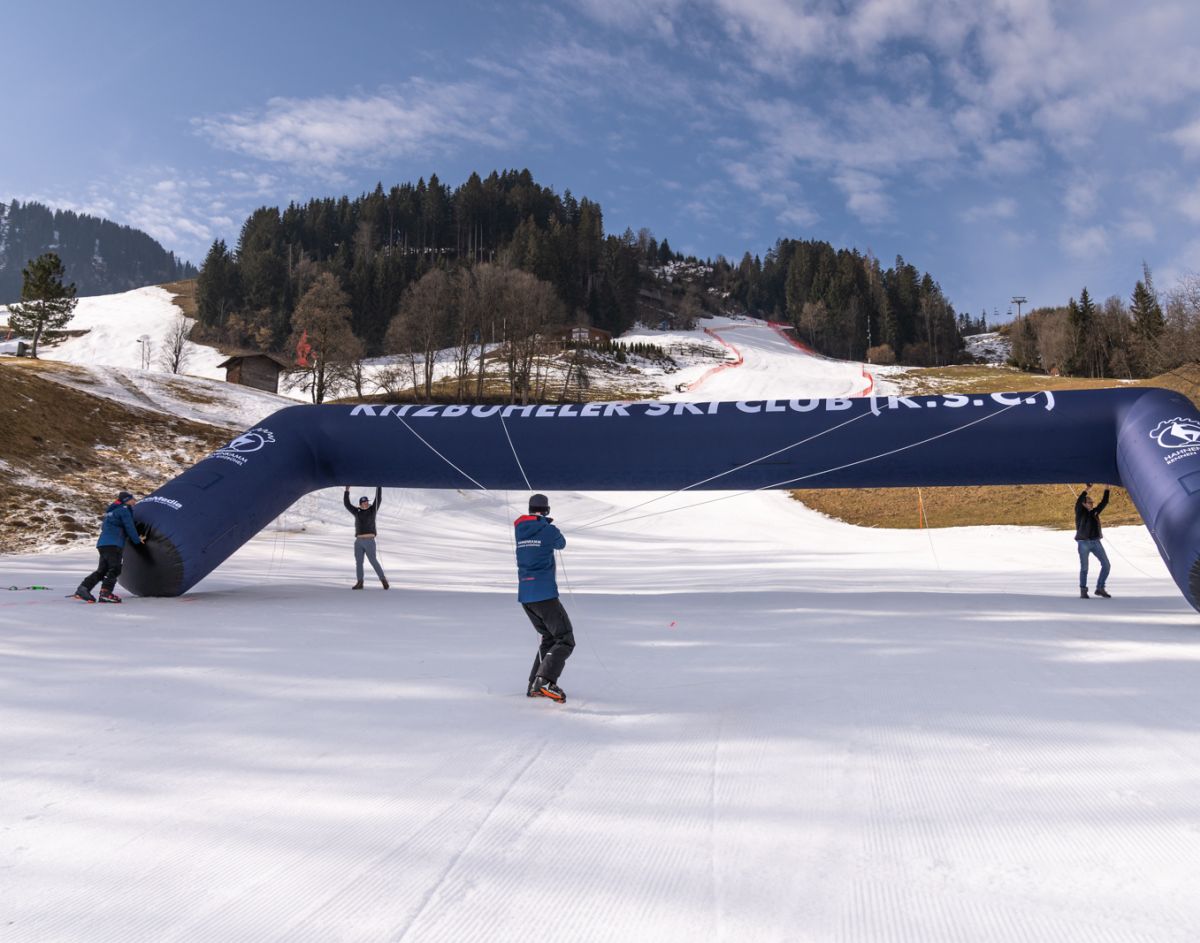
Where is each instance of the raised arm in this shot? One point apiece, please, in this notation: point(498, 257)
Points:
point(1103, 502)
point(378, 495)
point(346, 501)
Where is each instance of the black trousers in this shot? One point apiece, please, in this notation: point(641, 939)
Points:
point(558, 640)
point(108, 570)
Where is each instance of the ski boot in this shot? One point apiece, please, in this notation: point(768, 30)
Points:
point(107, 595)
point(544, 688)
point(83, 594)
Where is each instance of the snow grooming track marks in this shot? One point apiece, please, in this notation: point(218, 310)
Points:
point(830, 747)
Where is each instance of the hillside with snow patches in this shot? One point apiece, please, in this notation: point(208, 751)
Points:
point(778, 727)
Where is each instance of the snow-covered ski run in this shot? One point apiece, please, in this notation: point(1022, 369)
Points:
point(778, 727)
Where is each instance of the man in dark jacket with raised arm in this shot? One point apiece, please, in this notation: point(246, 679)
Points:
point(1088, 535)
point(364, 534)
point(537, 591)
point(114, 532)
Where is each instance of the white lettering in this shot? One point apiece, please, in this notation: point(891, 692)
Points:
point(690, 409)
point(591, 409)
point(363, 410)
point(773, 407)
point(832, 404)
point(748, 407)
point(808, 407)
point(616, 409)
point(453, 411)
point(427, 411)
point(955, 400)
point(482, 412)
point(545, 412)
point(656, 409)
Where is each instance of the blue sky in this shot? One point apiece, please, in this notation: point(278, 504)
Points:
point(1006, 146)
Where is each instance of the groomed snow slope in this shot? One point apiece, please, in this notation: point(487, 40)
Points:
point(780, 727)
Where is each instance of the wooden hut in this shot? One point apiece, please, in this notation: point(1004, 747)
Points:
point(258, 370)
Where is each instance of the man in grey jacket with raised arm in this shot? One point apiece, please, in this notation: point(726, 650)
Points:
point(364, 534)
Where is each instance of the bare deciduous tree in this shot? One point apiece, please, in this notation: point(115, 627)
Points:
point(175, 352)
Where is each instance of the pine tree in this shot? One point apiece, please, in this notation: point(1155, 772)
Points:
point(46, 304)
point(217, 288)
point(1148, 322)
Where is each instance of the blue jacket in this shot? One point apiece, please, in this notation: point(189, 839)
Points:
point(537, 539)
point(118, 525)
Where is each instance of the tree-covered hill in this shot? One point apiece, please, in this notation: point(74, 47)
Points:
point(100, 257)
point(382, 243)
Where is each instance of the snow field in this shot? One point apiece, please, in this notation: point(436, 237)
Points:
point(778, 727)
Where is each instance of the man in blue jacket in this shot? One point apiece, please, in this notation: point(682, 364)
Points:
point(537, 591)
point(117, 528)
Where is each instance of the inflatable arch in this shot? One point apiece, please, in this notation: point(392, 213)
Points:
point(1147, 440)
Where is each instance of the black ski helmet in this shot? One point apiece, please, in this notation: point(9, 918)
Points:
point(539, 504)
point(124, 496)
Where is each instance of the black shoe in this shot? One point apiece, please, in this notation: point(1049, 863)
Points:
point(1083, 592)
point(385, 584)
point(544, 688)
point(1102, 592)
point(109, 596)
point(83, 594)
point(357, 585)
point(529, 692)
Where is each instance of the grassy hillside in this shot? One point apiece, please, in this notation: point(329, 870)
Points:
point(65, 454)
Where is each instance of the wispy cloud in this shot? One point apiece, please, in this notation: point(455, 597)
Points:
point(324, 133)
point(1188, 138)
point(1084, 242)
point(1004, 207)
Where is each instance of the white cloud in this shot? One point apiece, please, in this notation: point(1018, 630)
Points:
point(1137, 227)
point(1009, 155)
point(1081, 198)
point(1004, 207)
point(1189, 203)
point(1084, 242)
point(327, 132)
point(864, 196)
point(1188, 138)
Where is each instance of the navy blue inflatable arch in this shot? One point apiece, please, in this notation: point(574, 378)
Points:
point(1147, 440)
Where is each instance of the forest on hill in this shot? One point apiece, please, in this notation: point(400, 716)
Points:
point(380, 246)
point(100, 257)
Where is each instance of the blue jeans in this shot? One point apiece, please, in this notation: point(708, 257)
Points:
point(1092, 546)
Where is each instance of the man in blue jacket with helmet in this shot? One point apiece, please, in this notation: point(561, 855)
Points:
point(537, 591)
point(117, 528)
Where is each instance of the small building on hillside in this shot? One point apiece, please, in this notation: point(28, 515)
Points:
point(255, 369)
point(586, 335)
